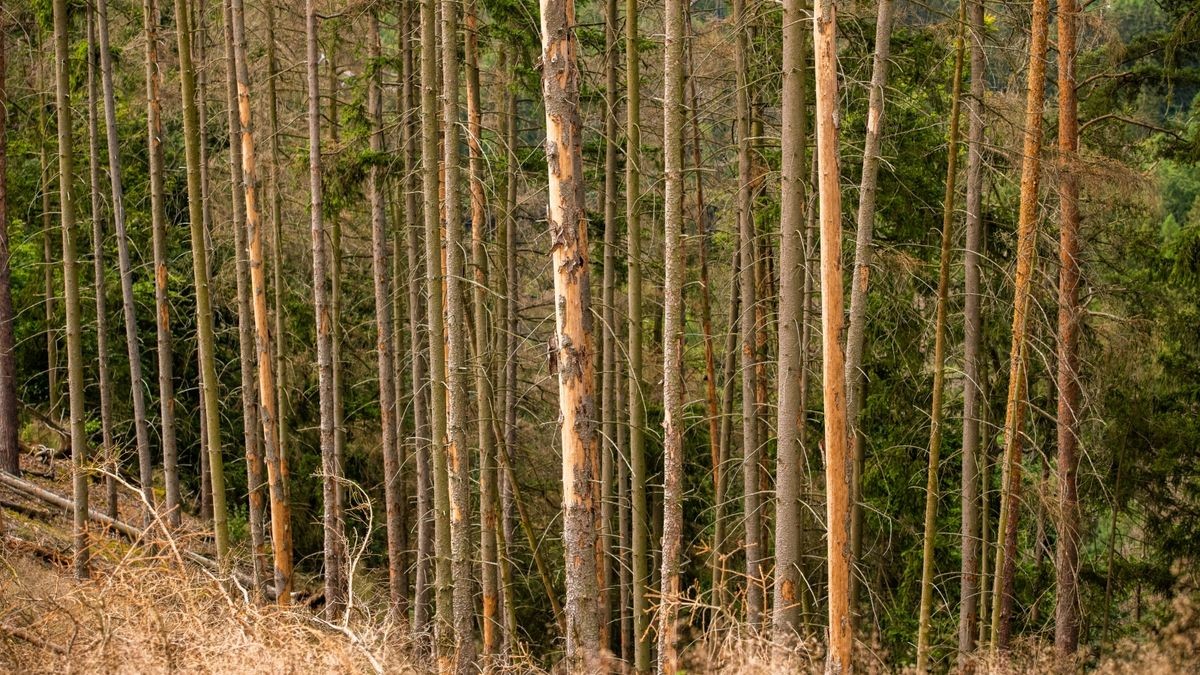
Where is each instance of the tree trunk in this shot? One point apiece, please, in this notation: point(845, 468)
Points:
point(968, 608)
point(637, 403)
point(608, 342)
point(276, 464)
point(50, 294)
point(729, 380)
point(204, 313)
point(572, 348)
point(132, 343)
point(108, 454)
point(200, 48)
point(1067, 612)
point(837, 463)
point(939, 353)
point(162, 301)
point(788, 476)
point(1005, 567)
point(321, 302)
point(335, 573)
point(748, 319)
point(10, 450)
point(66, 193)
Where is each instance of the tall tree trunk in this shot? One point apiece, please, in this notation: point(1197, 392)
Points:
point(204, 314)
point(54, 389)
point(108, 451)
point(939, 352)
point(1066, 619)
point(985, 483)
point(66, 194)
point(729, 380)
point(200, 47)
point(860, 275)
point(162, 301)
point(1014, 418)
point(608, 343)
point(422, 585)
point(443, 597)
point(837, 462)
point(637, 402)
point(673, 337)
point(749, 325)
point(335, 574)
point(383, 320)
point(457, 454)
point(275, 197)
point(247, 359)
point(276, 464)
point(968, 606)
point(10, 450)
point(788, 476)
point(321, 302)
point(572, 348)
point(132, 345)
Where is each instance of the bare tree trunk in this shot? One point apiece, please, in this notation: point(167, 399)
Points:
point(837, 464)
point(276, 464)
point(788, 476)
point(1067, 612)
point(572, 349)
point(108, 454)
point(729, 380)
point(10, 450)
point(247, 359)
point(511, 325)
point(162, 302)
point(747, 284)
point(1005, 567)
point(200, 47)
point(50, 294)
point(985, 483)
point(608, 342)
point(968, 608)
point(637, 402)
point(137, 388)
point(66, 195)
point(321, 301)
point(939, 353)
point(204, 313)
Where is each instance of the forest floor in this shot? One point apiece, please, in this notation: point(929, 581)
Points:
point(145, 610)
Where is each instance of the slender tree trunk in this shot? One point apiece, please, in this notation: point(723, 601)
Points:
point(860, 275)
point(276, 464)
point(748, 319)
point(108, 452)
point(788, 476)
point(673, 336)
point(1005, 567)
point(939, 352)
point(511, 309)
point(66, 192)
point(335, 574)
point(968, 608)
point(137, 388)
point(251, 429)
point(985, 484)
point(10, 450)
point(162, 301)
point(637, 402)
point(383, 319)
point(1067, 612)
point(729, 380)
point(572, 349)
point(275, 197)
point(321, 301)
point(204, 313)
point(200, 47)
point(837, 463)
point(418, 337)
point(50, 294)
point(608, 346)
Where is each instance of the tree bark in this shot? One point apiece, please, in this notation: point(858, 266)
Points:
point(572, 346)
point(200, 48)
point(608, 343)
point(66, 192)
point(837, 463)
point(10, 450)
point(788, 476)
point(1014, 418)
point(968, 607)
point(1067, 611)
point(939, 352)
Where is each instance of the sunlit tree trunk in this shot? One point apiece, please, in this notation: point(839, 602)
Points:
point(939, 353)
point(1067, 612)
point(1014, 418)
point(837, 460)
point(66, 193)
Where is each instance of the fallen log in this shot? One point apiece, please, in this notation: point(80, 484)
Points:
point(22, 634)
point(25, 510)
point(128, 531)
